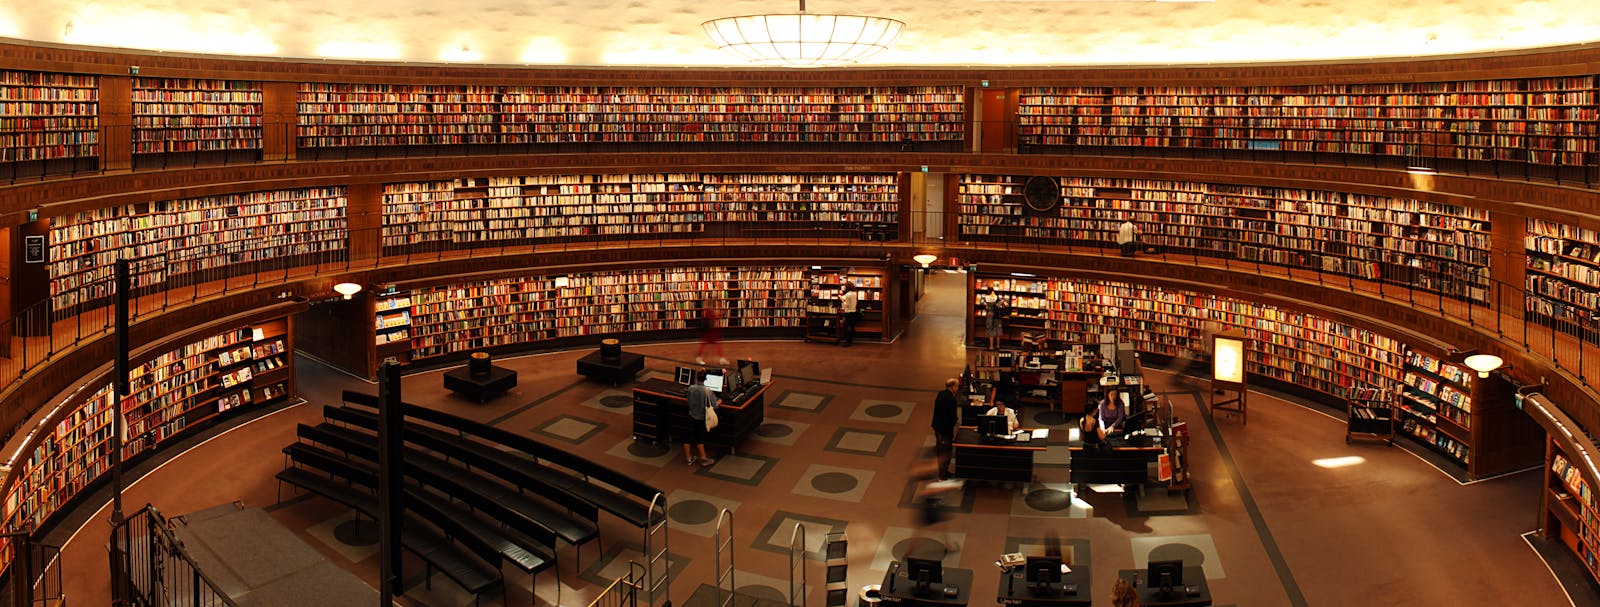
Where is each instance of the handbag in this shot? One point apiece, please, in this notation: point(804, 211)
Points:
point(711, 418)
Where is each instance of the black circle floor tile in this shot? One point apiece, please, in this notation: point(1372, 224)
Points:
point(834, 482)
point(920, 547)
point(764, 593)
point(1048, 500)
point(616, 401)
point(692, 512)
point(362, 532)
point(883, 411)
point(773, 431)
point(646, 449)
point(1191, 556)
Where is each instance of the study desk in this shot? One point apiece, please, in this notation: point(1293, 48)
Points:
point(661, 413)
point(1151, 597)
point(1014, 590)
point(900, 590)
point(998, 460)
point(1122, 464)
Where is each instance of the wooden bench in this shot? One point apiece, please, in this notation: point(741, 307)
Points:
point(612, 491)
point(350, 485)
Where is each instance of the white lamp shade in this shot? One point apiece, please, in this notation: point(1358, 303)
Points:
point(803, 40)
point(925, 259)
point(347, 289)
point(1483, 363)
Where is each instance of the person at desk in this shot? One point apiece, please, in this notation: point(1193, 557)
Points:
point(1108, 418)
point(1123, 594)
point(1000, 408)
point(700, 399)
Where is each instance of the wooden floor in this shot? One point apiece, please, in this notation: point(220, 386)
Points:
point(1271, 525)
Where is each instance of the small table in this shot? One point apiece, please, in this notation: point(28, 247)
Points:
point(625, 368)
point(1151, 597)
point(900, 590)
point(1016, 591)
point(480, 387)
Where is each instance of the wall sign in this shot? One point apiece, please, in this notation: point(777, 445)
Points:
point(33, 249)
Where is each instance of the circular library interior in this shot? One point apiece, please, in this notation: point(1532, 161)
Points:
point(401, 305)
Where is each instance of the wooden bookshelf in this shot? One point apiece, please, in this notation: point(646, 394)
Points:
point(45, 116)
point(182, 115)
point(1563, 277)
point(822, 311)
point(171, 393)
point(1544, 121)
point(1291, 347)
point(521, 312)
point(393, 325)
point(497, 211)
point(1436, 405)
point(376, 115)
point(175, 242)
point(1430, 246)
point(1571, 512)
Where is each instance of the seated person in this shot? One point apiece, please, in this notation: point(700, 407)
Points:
point(1000, 408)
point(1109, 416)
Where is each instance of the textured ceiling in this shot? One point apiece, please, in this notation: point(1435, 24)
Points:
point(939, 32)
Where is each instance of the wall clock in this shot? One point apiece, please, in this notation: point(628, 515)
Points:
point(1041, 194)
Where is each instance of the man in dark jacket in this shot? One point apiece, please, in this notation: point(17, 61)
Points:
point(945, 413)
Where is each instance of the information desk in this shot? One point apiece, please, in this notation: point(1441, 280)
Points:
point(1194, 577)
point(661, 414)
point(480, 387)
point(1122, 464)
point(1015, 590)
point(994, 460)
point(899, 590)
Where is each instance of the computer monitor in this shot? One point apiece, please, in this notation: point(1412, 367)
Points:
point(1042, 570)
point(749, 373)
point(924, 572)
point(1165, 575)
point(714, 381)
point(991, 425)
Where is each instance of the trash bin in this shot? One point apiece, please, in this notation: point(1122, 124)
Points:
point(870, 595)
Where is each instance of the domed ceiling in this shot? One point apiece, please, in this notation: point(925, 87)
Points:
point(939, 32)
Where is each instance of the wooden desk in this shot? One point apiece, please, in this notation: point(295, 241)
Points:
point(994, 461)
point(1120, 465)
point(661, 412)
point(1149, 597)
point(1014, 590)
point(480, 387)
point(625, 368)
point(902, 588)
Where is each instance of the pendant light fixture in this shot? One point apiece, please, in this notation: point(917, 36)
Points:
point(803, 39)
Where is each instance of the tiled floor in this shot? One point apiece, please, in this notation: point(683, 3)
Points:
point(843, 427)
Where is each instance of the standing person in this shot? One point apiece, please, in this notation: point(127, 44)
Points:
point(1123, 594)
point(701, 398)
point(945, 412)
point(710, 332)
point(994, 310)
point(1110, 415)
point(1128, 237)
point(849, 302)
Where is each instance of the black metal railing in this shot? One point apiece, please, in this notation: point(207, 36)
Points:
point(150, 567)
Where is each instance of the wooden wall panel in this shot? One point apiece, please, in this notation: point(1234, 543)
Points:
point(116, 122)
point(279, 113)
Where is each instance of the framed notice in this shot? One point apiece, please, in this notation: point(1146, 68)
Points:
point(33, 250)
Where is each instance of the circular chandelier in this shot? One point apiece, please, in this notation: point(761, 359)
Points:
point(803, 39)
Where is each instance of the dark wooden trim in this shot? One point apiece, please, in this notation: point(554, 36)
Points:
point(116, 122)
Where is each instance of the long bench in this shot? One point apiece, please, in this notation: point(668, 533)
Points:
point(623, 496)
point(505, 504)
point(350, 484)
point(520, 472)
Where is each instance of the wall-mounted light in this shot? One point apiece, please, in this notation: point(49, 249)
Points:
point(347, 289)
point(1483, 363)
point(925, 259)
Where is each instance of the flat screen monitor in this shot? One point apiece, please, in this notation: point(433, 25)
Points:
point(685, 376)
point(714, 381)
point(1041, 570)
point(924, 572)
point(991, 425)
point(1165, 575)
point(748, 374)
